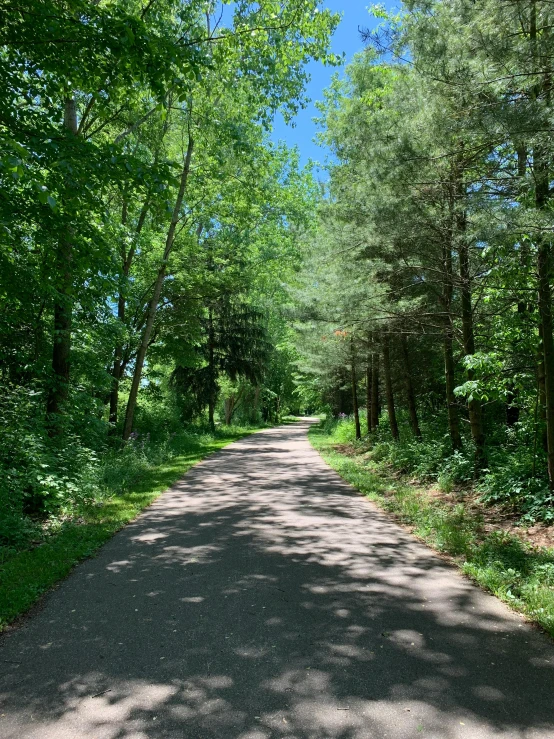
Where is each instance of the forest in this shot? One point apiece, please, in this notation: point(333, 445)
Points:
point(170, 277)
point(425, 300)
point(148, 229)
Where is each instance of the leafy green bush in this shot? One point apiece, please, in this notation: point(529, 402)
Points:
point(511, 480)
point(38, 476)
point(45, 480)
point(514, 571)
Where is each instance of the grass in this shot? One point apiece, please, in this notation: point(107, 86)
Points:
point(517, 573)
point(26, 575)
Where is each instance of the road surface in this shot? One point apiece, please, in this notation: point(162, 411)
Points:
point(262, 597)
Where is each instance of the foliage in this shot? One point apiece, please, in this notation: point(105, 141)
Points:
point(426, 287)
point(144, 212)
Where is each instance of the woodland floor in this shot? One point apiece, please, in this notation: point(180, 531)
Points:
point(495, 518)
point(262, 597)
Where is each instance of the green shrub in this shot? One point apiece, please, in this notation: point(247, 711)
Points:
point(511, 480)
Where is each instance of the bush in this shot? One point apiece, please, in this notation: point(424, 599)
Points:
point(511, 481)
point(508, 480)
point(46, 480)
point(39, 476)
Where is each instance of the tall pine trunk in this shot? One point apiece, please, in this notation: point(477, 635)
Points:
point(388, 387)
point(541, 171)
point(369, 382)
point(410, 395)
point(545, 274)
point(374, 391)
point(474, 405)
point(453, 419)
point(153, 305)
point(354, 381)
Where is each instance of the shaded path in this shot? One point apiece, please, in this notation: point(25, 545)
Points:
point(261, 597)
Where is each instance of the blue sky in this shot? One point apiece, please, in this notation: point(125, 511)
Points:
point(346, 39)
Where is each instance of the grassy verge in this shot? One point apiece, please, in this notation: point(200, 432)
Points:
point(520, 575)
point(26, 575)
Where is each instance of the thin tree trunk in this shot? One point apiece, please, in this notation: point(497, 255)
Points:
point(410, 395)
point(153, 305)
point(228, 406)
point(388, 388)
point(541, 171)
point(127, 259)
point(375, 391)
point(544, 264)
point(211, 369)
point(369, 382)
point(231, 405)
point(453, 420)
point(541, 389)
point(257, 391)
point(63, 307)
point(355, 391)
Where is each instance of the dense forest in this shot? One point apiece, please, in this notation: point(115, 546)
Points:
point(167, 270)
point(148, 225)
point(426, 295)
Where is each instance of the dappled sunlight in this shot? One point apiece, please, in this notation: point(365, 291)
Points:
point(262, 597)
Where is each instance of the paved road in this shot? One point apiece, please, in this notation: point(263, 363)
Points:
point(262, 597)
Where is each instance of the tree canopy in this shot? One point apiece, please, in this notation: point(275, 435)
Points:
point(164, 264)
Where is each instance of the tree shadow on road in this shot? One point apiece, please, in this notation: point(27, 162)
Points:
point(261, 598)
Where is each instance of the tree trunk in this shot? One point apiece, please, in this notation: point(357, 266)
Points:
point(474, 405)
point(453, 420)
point(228, 407)
point(354, 382)
point(541, 172)
point(153, 305)
point(410, 395)
point(231, 405)
point(211, 369)
point(369, 382)
point(375, 391)
point(388, 388)
point(544, 264)
point(117, 363)
point(257, 391)
point(63, 307)
point(541, 387)
point(127, 260)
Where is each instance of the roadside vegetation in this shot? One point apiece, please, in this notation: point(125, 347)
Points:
point(424, 305)
point(513, 568)
point(43, 550)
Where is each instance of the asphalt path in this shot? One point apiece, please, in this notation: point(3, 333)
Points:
point(262, 597)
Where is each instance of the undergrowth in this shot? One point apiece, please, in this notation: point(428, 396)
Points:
point(511, 478)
